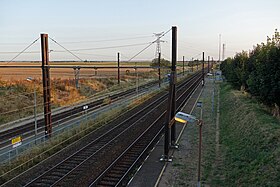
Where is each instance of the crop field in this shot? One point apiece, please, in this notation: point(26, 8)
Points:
point(67, 73)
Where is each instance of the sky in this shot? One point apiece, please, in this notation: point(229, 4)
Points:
point(97, 30)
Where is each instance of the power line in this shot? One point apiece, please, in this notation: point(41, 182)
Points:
point(111, 56)
point(149, 45)
point(197, 55)
point(158, 41)
point(66, 49)
point(15, 52)
point(109, 47)
point(24, 50)
point(119, 39)
point(141, 51)
point(14, 43)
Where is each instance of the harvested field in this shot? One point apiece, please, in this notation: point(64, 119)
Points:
point(11, 74)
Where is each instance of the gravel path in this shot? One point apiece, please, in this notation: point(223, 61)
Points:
point(182, 171)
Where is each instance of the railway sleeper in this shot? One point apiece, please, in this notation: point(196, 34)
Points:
point(63, 171)
point(57, 173)
point(81, 158)
point(106, 183)
point(119, 169)
point(73, 162)
point(113, 175)
point(125, 165)
point(84, 155)
point(52, 178)
point(127, 161)
point(111, 179)
point(75, 173)
point(139, 146)
point(117, 172)
point(41, 184)
point(133, 153)
point(94, 148)
point(45, 182)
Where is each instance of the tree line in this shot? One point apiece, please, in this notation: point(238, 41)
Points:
point(257, 71)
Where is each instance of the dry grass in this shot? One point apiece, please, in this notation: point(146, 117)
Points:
point(13, 74)
point(63, 90)
point(17, 97)
point(37, 154)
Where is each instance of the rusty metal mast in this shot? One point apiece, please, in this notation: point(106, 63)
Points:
point(46, 85)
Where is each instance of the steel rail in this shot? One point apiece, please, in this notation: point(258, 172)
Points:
point(141, 110)
point(95, 141)
point(189, 91)
point(74, 111)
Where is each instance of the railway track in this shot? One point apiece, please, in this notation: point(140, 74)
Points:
point(27, 129)
point(113, 154)
point(117, 174)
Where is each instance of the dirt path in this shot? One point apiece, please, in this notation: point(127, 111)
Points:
point(216, 173)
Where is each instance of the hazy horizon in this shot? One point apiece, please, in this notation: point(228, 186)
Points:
point(97, 30)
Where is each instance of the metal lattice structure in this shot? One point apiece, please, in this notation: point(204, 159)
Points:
point(158, 41)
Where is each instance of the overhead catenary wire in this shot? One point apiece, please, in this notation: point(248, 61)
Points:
point(65, 49)
point(197, 55)
point(111, 56)
point(14, 43)
point(108, 47)
point(23, 50)
point(15, 52)
point(108, 40)
point(149, 45)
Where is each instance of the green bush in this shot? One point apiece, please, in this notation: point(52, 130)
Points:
point(258, 71)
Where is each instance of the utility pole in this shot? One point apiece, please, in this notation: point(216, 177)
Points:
point(192, 64)
point(183, 65)
point(158, 41)
point(173, 70)
point(219, 48)
point(46, 85)
point(208, 67)
point(203, 69)
point(223, 54)
point(171, 106)
point(159, 78)
point(118, 68)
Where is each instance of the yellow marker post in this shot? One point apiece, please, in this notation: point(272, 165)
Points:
point(16, 141)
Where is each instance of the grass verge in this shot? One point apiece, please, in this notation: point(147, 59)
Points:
point(250, 139)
